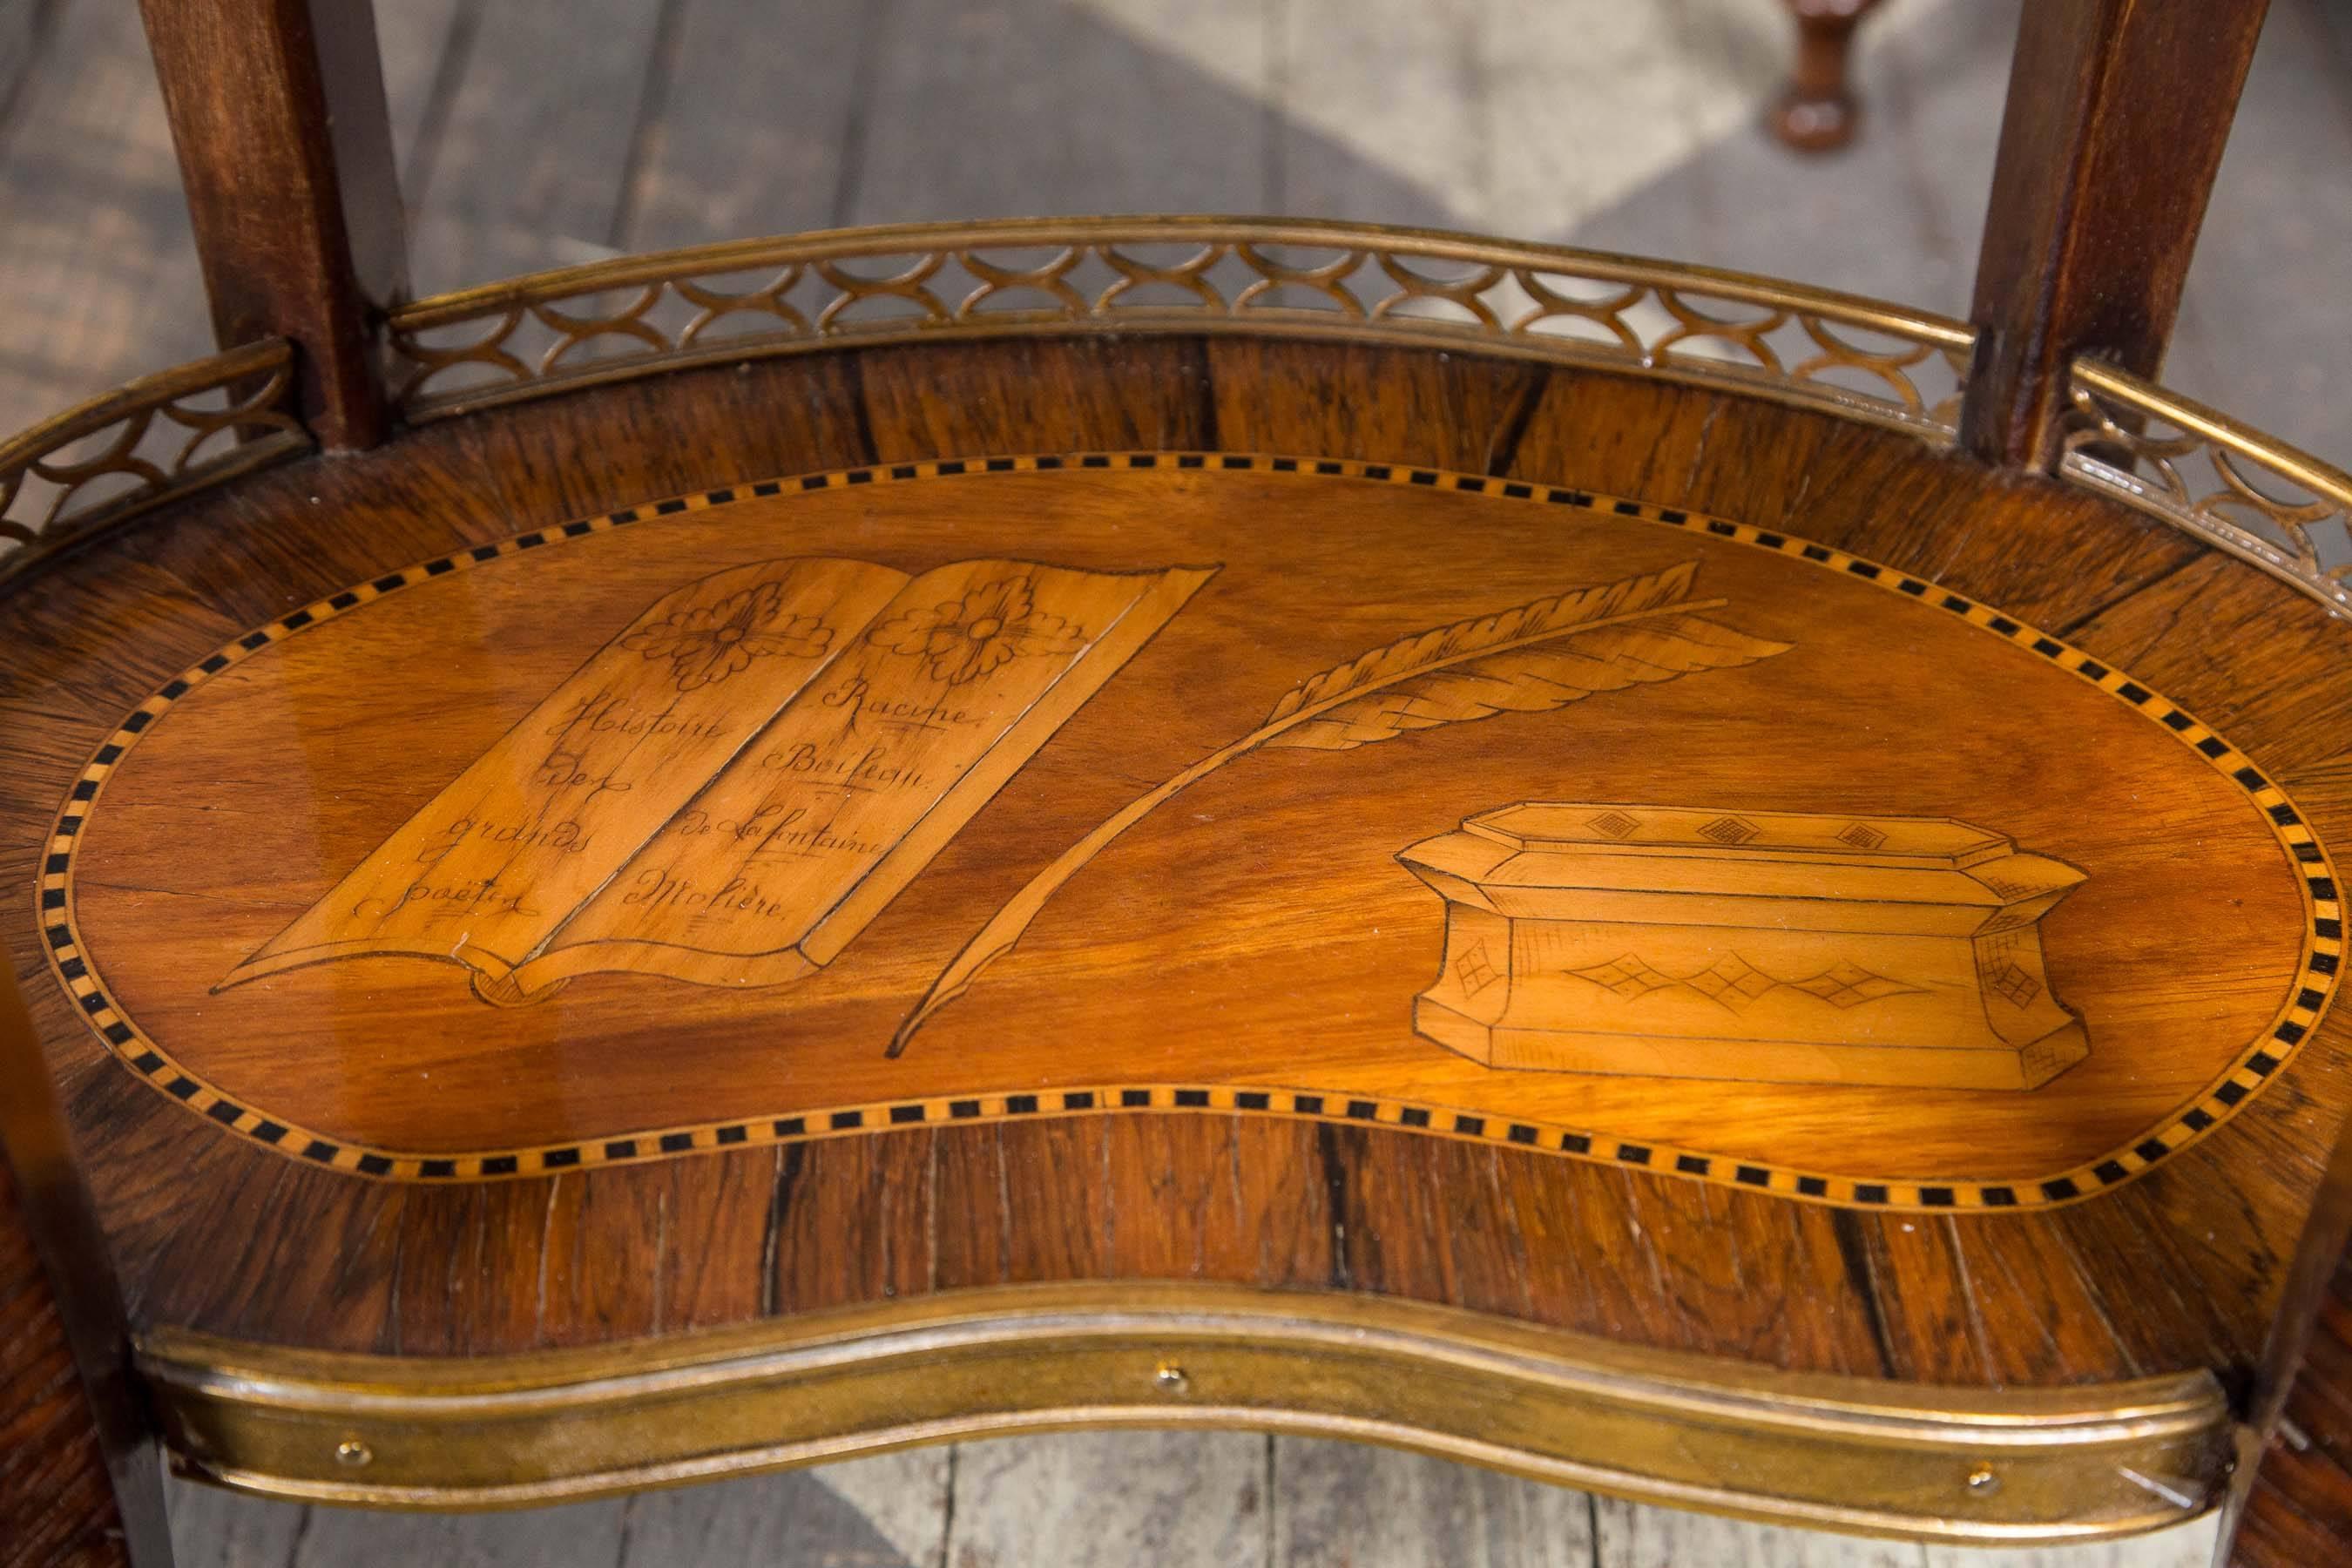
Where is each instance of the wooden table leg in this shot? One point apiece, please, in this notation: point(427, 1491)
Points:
point(80, 1477)
point(2118, 115)
point(2290, 1502)
point(1818, 110)
point(285, 146)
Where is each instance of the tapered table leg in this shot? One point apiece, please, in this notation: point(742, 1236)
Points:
point(1818, 110)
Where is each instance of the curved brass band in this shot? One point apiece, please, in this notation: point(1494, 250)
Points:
point(143, 444)
point(1840, 1452)
point(2306, 542)
point(614, 321)
point(1261, 276)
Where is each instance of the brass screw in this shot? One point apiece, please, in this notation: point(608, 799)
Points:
point(1171, 1377)
point(1983, 1480)
point(352, 1452)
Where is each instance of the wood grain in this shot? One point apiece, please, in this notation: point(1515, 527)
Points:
point(101, 290)
point(1329, 1503)
point(56, 1503)
point(1339, 1505)
point(524, 903)
point(81, 1480)
point(1431, 66)
point(2189, 1546)
point(730, 156)
point(1630, 1536)
point(23, 29)
point(2251, 229)
point(1171, 1497)
point(2176, 1269)
point(529, 162)
point(100, 259)
point(2298, 1502)
point(1656, 154)
point(2291, 1500)
point(913, 148)
point(885, 1513)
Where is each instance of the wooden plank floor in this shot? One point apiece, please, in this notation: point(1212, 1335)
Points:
point(533, 134)
point(1092, 1501)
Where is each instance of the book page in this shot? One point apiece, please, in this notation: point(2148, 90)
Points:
point(866, 775)
point(515, 845)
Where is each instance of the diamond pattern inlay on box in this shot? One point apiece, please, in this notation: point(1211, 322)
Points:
point(1768, 946)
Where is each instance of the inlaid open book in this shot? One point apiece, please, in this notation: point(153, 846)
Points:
point(729, 790)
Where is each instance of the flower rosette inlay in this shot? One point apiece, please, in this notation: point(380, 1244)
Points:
point(706, 644)
point(963, 640)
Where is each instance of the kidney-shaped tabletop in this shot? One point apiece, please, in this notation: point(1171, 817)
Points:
point(879, 895)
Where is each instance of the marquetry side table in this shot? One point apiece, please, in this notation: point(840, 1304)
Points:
point(1669, 881)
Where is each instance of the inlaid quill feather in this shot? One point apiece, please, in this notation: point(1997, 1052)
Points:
point(1528, 659)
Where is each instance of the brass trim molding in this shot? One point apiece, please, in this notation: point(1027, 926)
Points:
point(1859, 358)
point(2261, 499)
point(611, 320)
point(2210, 475)
point(158, 437)
point(2015, 1467)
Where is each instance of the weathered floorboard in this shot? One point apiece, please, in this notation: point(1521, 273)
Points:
point(1083, 1498)
point(1341, 1505)
point(1181, 1499)
point(528, 168)
point(1628, 1535)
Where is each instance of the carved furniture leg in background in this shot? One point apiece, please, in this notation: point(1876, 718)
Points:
point(80, 1477)
point(1818, 110)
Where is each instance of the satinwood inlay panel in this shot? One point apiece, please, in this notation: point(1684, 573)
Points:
point(1110, 783)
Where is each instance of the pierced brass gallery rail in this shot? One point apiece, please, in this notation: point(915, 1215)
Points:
point(2261, 499)
point(158, 437)
point(1860, 358)
point(2210, 475)
point(714, 303)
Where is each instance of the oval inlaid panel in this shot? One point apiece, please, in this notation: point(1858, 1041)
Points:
point(1145, 782)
